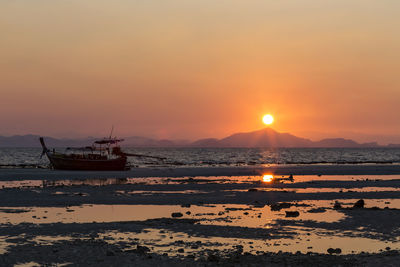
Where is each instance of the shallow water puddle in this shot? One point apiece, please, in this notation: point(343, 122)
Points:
point(182, 244)
point(236, 215)
point(35, 264)
point(200, 241)
point(162, 241)
point(318, 190)
point(162, 192)
point(227, 214)
point(258, 179)
point(312, 178)
point(344, 190)
point(60, 183)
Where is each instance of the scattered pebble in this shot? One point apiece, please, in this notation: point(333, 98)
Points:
point(359, 204)
point(279, 206)
point(337, 205)
point(334, 250)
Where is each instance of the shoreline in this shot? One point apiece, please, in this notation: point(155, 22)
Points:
point(337, 169)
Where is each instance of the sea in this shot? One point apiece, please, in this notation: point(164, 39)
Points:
point(206, 157)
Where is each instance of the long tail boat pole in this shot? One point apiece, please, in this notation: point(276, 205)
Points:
point(142, 156)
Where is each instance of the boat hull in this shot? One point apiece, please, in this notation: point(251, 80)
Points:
point(59, 162)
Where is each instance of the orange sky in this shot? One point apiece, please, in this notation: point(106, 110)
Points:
point(192, 69)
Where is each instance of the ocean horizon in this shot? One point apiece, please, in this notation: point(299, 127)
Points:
point(206, 157)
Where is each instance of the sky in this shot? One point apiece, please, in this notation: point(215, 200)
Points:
point(181, 69)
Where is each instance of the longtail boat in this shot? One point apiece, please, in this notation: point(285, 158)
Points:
point(103, 155)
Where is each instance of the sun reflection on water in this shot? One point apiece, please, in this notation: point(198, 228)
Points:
point(267, 178)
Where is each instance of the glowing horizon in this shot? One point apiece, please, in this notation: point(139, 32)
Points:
point(189, 70)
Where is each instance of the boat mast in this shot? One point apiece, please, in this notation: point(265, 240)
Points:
point(109, 144)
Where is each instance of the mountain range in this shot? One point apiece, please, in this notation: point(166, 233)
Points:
point(270, 138)
point(264, 138)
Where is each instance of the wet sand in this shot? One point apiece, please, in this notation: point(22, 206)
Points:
point(107, 219)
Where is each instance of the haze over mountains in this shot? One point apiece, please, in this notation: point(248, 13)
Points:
point(264, 138)
point(270, 138)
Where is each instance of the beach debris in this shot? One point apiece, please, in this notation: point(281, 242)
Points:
point(181, 250)
point(292, 213)
point(188, 213)
point(359, 204)
point(334, 250)
point(337, 205)
point(252, 190)
point(176, 214)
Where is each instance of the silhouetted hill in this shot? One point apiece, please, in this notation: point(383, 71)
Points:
point(394, 145)
point(264, 138)
point(269, 138)
point(207, 142)
point(341, 142)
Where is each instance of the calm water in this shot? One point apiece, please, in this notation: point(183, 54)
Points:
point(227, 156)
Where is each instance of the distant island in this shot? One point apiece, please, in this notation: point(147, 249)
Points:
point(264, 138)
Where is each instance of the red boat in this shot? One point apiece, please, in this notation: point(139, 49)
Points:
point(103, 155)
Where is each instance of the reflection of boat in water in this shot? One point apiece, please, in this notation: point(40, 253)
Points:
point(103, 155)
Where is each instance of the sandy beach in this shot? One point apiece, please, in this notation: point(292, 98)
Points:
point(202, 216)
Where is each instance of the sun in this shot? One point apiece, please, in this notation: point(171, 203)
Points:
point(268, 119)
